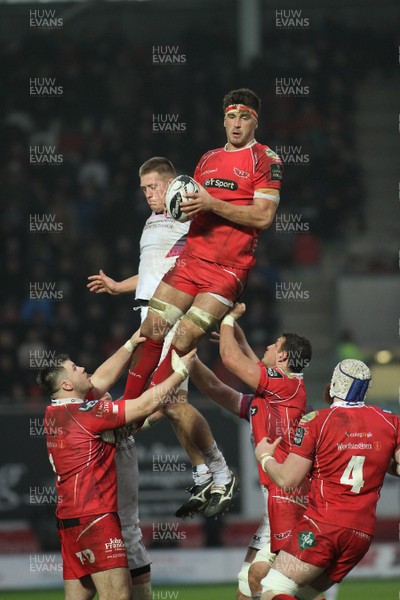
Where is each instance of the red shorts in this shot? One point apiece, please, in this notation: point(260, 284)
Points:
point(94, 545)
point(285, 509)
point(335, 549)
point(193, 276)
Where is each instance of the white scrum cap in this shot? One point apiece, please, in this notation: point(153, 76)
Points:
point(350, 380)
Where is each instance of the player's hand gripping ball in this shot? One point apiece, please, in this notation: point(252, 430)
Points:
point(183, 184)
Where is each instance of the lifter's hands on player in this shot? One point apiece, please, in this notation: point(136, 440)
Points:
point(197, 202)
point(137, 339)
point(238, 310)
point(182, 364)
point(264, 448)
point(101, 283)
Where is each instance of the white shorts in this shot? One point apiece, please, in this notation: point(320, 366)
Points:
point(184, 386)
point(262, 536)
point(128, 509)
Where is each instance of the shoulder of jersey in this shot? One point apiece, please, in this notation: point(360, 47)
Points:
point(309, 417)
point(271, 154)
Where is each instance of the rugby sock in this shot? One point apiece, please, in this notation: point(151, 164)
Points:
point(215, 461)
point(164, 369)
point(141, 591)
point(145, 360)
point(201, 474)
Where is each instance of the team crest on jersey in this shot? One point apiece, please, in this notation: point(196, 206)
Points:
point(88, 405)
point(240, 173)
point(306, 539)
point(253, 410)
point(271, 154)
point(272, 373)
point(309, 417)
point(298, 436)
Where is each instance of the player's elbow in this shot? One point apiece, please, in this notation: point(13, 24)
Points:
point(265, 221)
point(229, 360)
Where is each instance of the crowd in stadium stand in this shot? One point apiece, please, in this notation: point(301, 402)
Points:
point(102, 126)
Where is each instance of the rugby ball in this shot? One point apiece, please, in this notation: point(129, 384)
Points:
point(183, 184)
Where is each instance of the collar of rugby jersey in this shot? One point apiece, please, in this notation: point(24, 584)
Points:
point(345, 404)
point(66, 401)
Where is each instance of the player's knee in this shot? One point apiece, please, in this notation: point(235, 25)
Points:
point(257, 572)
point(192, 327)
point(175, 408)
point(160, 318)
point(276, 582)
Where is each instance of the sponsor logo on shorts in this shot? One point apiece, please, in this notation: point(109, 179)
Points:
point(306, 539)
point(283, 535)
point(86, 555)
point(216, 182)
point(116, 546)
point(363, 535)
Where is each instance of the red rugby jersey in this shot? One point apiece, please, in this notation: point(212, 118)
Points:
point(232, 176)
point(278, 405)
point(84, 465)
point(351, 447)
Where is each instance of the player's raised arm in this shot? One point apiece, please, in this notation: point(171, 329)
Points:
point(101, 283)
point(232, 355)
point(209, 385)
point(110, 371)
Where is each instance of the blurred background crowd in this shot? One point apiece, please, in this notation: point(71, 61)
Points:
point(102, 126)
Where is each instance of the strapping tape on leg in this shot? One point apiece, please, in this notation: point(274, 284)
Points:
point(265, 555)
point(170, 313)
point(204, 320)
point(277, 582)
point(243, 579)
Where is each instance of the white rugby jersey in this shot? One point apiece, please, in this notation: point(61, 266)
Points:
point(161, 243)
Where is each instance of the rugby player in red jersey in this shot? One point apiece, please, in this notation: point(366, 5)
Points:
point(276, 408)
point(348, 448)
point(92, 548)
point(238, 197)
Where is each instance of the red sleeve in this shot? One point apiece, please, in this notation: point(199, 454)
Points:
point(263, 381)
point(305, 438)
point(268, 172)
point(245, 403)
point(99, 415)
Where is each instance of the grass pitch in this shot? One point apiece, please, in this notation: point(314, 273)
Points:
point(352, 590)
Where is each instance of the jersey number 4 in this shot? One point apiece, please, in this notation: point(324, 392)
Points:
point(353, 474)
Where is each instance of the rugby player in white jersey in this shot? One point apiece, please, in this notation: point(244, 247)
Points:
point(161, 244)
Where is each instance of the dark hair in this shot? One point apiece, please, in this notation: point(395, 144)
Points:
point(49, 375)
point(298, 349)
point(243, 96)
point(158, 164)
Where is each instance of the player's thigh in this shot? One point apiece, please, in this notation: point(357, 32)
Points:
point(79, 589)
point(167, 293)
point(294, 568)
point(212, 305)
point(113, 584)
